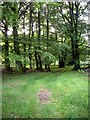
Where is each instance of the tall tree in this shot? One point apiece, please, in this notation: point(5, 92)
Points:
point(39, 34)
point(5, 25)
point(15, 35)
point(30, 28)
point(47, 19)
point(24, 43)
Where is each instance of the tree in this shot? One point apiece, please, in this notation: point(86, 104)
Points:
point(39, 34)
point(5, 27)
point(30, 27)
point(72, 20)
point(15, 34)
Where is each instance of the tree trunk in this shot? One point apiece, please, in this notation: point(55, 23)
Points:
point(48, 69)
point(39, 32)
point(71, 7)
point(48, 65)
point(15, 37)
point(77, 64)
point(16, 47)
point(40, 63)
point(45, 65)
point(36, 55)
point(36, 58)
point(61, 62)
point(43, 38)
point(7, 62)
point(62, 59)
point(30, 26)
point(24, 45)
point(74, 35)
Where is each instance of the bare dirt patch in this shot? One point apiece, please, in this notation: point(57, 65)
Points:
point(44, 96)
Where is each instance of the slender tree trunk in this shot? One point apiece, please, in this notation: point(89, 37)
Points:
point(45, 65)
point(61, 62)
point(24, 45)
point(48, 69)
point(43, 37)
point(30, 26)
point(36, 55)
point(62, 58)
point(15, 37)
point(40, 62)
point(39, 32)
point(7, 62)
point(48, 65)
point(36, 58)
point(16, 47)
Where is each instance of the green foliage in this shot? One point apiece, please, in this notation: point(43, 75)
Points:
point(14, 57)
point(49, 35)
point(48, 57)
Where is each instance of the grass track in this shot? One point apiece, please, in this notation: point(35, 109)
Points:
point(69, 97)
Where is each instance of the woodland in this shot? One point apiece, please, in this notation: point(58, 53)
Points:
point(44, 53)
point(38, 35)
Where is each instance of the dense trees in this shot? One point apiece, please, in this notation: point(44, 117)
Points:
point(43, 34)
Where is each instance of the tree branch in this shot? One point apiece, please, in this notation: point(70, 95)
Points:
point(81, 43)
point(64, 16)
point(2, 31)
point(84, 8)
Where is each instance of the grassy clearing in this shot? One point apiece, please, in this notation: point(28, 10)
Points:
point(69, 98)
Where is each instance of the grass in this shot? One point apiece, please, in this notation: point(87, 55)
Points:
point(69, 98)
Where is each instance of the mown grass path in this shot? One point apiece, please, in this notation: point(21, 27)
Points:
point(68, 95)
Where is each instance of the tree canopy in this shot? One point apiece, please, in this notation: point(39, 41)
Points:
point(40, 34)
